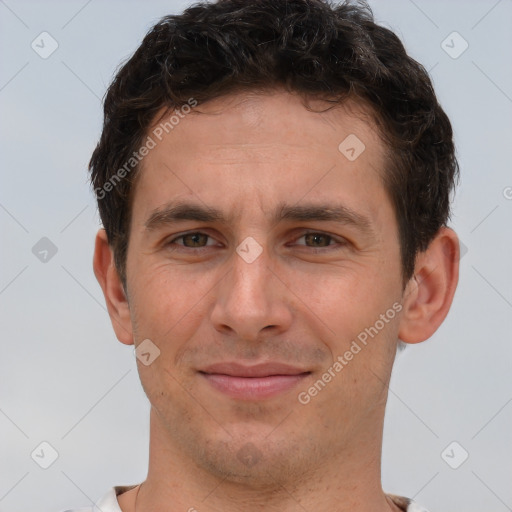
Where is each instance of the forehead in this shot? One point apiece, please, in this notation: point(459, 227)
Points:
point(258, 115)
point(261, 145)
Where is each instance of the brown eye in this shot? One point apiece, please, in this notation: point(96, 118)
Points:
point(194, 240)
point(318, 239)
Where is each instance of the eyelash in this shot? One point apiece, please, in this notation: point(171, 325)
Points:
point(340, 242)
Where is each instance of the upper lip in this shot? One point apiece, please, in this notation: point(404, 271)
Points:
point(258, 370)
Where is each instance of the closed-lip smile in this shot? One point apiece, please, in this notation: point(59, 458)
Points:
point(259, 381)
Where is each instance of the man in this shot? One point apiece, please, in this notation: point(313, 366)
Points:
point(274, 181)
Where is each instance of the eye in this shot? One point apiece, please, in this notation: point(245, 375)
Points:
point(318, 240)
point(193, 240)
point(313, 240)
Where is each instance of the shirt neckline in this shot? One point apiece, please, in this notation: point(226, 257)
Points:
point(405, 504)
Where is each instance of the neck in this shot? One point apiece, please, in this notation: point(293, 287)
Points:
point(347, 480)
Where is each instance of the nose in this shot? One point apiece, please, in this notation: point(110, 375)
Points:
point(252, 301)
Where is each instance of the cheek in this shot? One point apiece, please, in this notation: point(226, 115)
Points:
point(361, 314)
point(346, 301)
point(165, 300)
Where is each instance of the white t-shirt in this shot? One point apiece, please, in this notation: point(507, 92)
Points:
point(109, 503)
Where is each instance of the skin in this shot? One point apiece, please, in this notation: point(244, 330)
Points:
point(302, 301)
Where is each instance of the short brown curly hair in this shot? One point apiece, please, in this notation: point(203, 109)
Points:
point(311, 47)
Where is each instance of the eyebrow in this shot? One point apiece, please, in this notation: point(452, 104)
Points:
point(181, 211)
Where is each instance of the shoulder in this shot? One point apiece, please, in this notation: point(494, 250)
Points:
point(406, 504)
point(83, 509)
point(107, 503)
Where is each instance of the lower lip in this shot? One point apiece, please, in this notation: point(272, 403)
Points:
point(253, 388)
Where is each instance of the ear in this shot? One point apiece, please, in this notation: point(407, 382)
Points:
point(115, 298)
point(429, 294)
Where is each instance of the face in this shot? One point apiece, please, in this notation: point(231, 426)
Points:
point(264, 264)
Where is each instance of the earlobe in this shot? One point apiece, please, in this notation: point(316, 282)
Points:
point(111, 285)
point(429, 294)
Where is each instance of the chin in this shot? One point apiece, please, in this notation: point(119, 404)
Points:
point(258, 462)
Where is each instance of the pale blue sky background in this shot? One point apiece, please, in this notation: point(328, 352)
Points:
point(67, 381)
